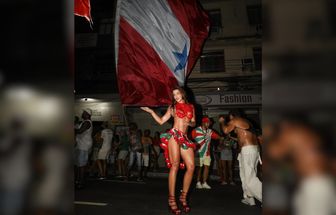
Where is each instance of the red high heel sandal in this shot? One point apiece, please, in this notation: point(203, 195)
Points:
point(172, 206)
point(183, 199)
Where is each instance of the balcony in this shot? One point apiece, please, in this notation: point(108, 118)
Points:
point(236, 32)
point(226, 68)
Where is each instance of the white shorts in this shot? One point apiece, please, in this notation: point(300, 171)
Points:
point(122, 154)
point(200, 161)
point(145, 160)
point(102, 154)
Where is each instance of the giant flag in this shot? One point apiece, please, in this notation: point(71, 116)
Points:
point(83, 8)
point(157, 42)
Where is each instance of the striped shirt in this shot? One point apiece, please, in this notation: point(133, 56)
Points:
point(203, 139)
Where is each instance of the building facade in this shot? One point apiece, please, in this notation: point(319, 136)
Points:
point(226, 76)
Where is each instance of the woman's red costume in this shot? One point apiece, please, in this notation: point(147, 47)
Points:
point(181, 110)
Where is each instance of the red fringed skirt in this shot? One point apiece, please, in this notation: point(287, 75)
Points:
point(180, 138)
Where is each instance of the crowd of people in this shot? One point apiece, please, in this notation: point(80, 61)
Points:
point(118, 152)
point(121, 150)
point(127, 152)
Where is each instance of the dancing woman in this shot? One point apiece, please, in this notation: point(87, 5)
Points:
point(176, 144)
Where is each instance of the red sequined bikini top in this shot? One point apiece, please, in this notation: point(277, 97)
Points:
point(184, 110)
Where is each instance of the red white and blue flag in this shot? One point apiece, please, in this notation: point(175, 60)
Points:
point(157, 42)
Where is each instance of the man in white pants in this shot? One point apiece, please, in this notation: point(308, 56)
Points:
point(248, 157)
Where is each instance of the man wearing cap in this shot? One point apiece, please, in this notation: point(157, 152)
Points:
point(84, 145)
point(203, 135)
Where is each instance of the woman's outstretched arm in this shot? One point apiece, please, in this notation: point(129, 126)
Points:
point(158, 119)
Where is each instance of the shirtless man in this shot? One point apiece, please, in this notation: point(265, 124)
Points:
point(248, 157)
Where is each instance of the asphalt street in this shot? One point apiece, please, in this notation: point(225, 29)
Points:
point(115, 196)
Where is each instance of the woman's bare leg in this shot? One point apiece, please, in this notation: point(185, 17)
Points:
point(219, 168)
point(229, 168)
point(174, 156)
point(123, 167)
point(188, 158)
point(222, 177)
point(120, 167)
point(225, 166)
point(205, 173)
point(199, 173)
point(104, 167)
point(100, 167)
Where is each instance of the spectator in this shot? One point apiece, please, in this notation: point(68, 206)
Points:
point(156, 150)
point(135, 150)
point(97, 143)
point(216, 155)
point(15, 167)
point(106, 136)
point(84, 144)
point(225, 148)
point(123, 152)
point(203, 136)
point(112, 156)
point(147, 142)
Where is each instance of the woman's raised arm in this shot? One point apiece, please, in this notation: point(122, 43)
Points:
point(158, 119)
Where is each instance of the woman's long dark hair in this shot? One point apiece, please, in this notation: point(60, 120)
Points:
point(184, 95)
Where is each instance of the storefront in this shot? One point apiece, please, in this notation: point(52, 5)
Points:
point(214, 105)
point(102, 110)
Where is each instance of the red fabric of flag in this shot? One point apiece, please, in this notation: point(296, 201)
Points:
point(83, 8)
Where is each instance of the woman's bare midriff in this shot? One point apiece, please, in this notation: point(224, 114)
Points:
point(181, 124)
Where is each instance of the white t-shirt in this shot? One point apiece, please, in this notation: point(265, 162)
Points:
point(107, 135)
point(84, 140)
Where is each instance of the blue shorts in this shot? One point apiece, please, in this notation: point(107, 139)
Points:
point(81, 157)
point(226, 155)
